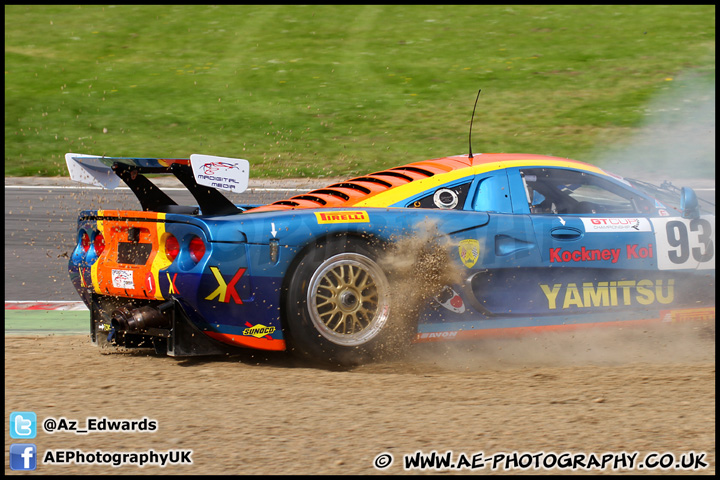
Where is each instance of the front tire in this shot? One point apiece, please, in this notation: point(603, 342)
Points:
point(340, 307)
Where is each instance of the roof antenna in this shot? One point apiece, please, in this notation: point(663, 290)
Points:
point(471, 124)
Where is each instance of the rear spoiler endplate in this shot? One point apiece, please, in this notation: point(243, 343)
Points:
point(202, 175)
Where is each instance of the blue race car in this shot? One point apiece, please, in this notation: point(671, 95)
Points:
point(451, 248)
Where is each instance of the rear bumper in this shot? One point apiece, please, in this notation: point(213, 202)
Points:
point(168, 329)
point(216, 298)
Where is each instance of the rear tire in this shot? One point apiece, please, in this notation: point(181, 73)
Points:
point(339, 306)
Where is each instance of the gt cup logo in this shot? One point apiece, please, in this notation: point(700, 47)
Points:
point(469, 252)
point(616, 224)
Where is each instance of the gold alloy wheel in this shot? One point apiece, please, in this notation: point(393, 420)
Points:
point(348, 299)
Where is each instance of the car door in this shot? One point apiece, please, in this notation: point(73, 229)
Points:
point(596, 243)
point(496, 261)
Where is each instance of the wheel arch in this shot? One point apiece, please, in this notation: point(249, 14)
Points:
point(370, 240)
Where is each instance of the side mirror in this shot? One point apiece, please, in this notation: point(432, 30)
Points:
point(689, 203)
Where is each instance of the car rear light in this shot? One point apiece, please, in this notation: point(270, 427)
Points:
point(99, 243)
point(85, 242)
point(197, 249)
point(172, 247)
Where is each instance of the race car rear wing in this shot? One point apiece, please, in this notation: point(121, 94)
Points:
point(202, 175)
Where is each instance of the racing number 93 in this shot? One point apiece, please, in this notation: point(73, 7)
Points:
point(685, 243)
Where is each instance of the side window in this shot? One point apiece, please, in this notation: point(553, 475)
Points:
point(493, 194)
point(560, 191)
point(447, 198)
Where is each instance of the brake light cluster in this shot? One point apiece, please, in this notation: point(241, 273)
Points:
point(92, 245)
point(172, 247)
point(96, 239)
point(99, 243)
point(196, 248)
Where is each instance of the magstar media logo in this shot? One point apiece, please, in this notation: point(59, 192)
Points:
point(211, 168)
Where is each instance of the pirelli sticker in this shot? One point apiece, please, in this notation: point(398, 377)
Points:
point(346, 216)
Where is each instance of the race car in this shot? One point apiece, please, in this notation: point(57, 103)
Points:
point(458, 247)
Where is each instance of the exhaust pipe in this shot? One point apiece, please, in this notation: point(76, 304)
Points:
point(138, 320)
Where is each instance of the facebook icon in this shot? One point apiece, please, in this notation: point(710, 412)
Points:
point(23, 456)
